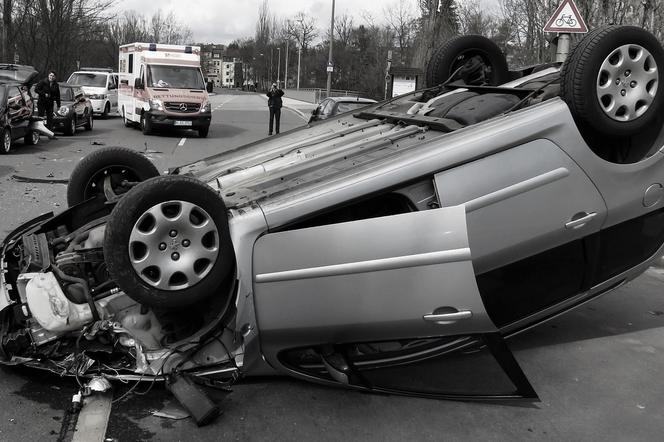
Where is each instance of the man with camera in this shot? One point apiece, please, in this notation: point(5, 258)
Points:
point(274, 103)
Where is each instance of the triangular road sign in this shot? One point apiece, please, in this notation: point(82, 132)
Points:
point(566, 19)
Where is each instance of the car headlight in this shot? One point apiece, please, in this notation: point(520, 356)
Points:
point(64, 110)
point(156, 104)
point(97, 96)
point(206, 107)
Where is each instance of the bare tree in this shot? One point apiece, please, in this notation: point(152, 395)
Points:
point(401, 20)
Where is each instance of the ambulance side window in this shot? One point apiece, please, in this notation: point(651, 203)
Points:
point(131, 63)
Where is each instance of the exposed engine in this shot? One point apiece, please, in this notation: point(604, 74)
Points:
point(65, 305)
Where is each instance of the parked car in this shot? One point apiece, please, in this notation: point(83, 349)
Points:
point(393, 249)
point(332, 106)
point(75, 110)
point(101, 87)
point(17, 106)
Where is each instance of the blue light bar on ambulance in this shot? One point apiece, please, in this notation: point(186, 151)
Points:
point(187, 49)
point(153, 47)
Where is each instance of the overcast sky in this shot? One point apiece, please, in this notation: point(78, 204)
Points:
point(222, 21)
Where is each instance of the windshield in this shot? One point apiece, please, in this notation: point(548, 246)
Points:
point(345, 107)
point(179, 77)
point(68, 93)
point(88, 79)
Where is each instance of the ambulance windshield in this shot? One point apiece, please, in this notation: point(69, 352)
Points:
point(178, 77)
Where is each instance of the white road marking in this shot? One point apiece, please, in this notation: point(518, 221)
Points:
point(93, 418)
point(230, 98)
point(182, 141)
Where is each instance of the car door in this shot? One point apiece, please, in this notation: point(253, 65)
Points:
point(385, 304)
point(113, 91)
point(18, 112)
point(79, 104)
point(532, 216)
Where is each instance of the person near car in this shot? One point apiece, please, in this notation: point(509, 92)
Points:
point(274, 103)
point(48, 92)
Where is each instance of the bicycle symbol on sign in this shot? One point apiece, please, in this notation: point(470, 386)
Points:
point(566, 20)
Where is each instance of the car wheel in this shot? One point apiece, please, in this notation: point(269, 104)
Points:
point(89, 122)
point(612, 80)
point(146, 125)
point(167, 242)
point(31, 138)
point(6, 140)
point(127, 123)
point(203, 132)
point(482, 59)
point(71, 126)
point(107, 173)
point(107, 110)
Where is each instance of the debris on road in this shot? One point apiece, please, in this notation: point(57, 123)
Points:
point(47, 180)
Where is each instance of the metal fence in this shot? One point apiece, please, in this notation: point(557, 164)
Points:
point(316, 95)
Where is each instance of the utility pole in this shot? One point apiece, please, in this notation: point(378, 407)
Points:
point(330, 66)
point(286, 74)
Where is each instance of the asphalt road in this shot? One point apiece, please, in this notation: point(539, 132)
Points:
point(597, 370)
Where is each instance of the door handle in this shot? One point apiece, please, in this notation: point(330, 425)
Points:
point(580, 222)
point(448, 318)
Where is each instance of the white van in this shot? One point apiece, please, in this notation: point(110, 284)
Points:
point(101, 87)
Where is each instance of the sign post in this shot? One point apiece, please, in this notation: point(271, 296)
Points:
point(565, 20)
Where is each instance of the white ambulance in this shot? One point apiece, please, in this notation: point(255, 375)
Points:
point(162, 86)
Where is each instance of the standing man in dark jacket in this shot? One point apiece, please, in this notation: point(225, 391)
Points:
point(274, 103)
point(49, 93)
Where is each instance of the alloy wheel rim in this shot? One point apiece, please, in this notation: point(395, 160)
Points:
point(6, 141)
point(174, 245)
point(35, 137)
point(627, 82)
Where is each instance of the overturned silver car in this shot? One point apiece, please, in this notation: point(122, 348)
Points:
point(393, 249)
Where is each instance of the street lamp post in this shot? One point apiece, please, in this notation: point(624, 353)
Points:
point(299, 57)
point(278, 67)
point(286, 67)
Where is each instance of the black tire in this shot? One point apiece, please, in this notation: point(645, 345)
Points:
point(118, 247)
point(120, 163)
point(31, 138)
point(107, 110)
point(89, 123)
point(146, 125)
point(203, 131)
point(6, 141)
point(458, 51)
point(71, 126)
point(583, 71)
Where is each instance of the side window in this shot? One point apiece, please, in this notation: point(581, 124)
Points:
point(327, 107)
point(131, 63)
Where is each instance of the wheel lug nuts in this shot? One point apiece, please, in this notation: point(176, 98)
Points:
point(618, 81)
point(632, 84)
point(175, 256)
point(162, 246)
point(623, 92)
point(173, 233)
point(628, 73)
point(186, 243)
